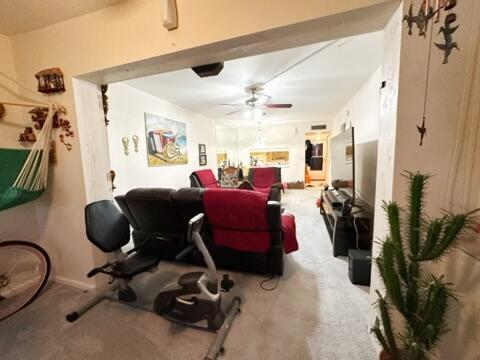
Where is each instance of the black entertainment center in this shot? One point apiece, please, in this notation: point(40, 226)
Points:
point(349, 227)
point(348, 219)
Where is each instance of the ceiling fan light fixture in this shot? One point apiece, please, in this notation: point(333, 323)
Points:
point(254, 114)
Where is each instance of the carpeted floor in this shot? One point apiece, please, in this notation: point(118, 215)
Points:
point(315, 313)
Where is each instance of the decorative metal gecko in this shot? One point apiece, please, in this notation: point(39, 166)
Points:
point(447, 32)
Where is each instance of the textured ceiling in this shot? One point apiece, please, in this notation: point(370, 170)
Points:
point(18, 16)
point(317, 88)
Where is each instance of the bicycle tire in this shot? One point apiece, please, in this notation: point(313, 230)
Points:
point(44, 259)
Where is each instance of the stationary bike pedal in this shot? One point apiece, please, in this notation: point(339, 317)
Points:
point(226, 283)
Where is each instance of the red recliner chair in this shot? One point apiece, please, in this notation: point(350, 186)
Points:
point(203, 179)
point(267, 180)
point(248, 221)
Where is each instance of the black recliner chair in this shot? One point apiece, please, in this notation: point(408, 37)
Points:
point(109, 230)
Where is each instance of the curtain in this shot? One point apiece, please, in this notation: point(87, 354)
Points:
point(463, 191)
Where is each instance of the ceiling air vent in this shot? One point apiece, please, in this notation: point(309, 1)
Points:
point(319, 127)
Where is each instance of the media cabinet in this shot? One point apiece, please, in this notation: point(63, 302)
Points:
point(347, 231)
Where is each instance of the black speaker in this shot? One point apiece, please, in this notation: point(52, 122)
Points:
point(359, 266)
point(208, 70)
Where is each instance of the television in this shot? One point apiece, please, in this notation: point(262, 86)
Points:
point(342, 149)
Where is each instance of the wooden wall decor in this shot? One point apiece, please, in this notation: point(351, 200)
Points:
point(39, 115)
point(104, 89)
point(28, 135)
point(50, 81)
point(2, 110)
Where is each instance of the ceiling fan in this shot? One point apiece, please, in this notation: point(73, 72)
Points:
point(254, 105)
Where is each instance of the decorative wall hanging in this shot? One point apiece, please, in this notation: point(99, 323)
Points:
point(50, 81)
point(2, 110)
point(27, 135)
point(170, 15)
point(447, 30)
point(39, 115)
point(125, 145)
point(135, 143)
point(202, 149)
point(104, 89)
point(166, 141)
point(202, 160)
point(425, 14)
point(112, 179)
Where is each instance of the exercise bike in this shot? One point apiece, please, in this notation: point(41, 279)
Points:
point(196, 296)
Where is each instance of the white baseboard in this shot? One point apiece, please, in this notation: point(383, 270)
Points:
point(74, 283)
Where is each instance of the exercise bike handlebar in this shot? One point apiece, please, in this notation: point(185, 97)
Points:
point(194, 228)
point(185, 252)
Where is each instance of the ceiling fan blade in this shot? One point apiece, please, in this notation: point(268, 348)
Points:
point(233, 112)
point(232, 104)
point(278, 106)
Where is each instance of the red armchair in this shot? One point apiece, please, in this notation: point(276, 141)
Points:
point(267, 180)
point(203, 179)
point(247, 221)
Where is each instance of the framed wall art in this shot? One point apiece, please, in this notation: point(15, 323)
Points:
point(166, 141)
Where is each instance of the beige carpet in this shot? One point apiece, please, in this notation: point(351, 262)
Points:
point(315, 313)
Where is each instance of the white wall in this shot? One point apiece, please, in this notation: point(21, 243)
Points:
point(227, 140)
point(386, 141)
point(291, 137)
point(127, 107)
point(398, 128)
point(13, 121)
point(444, 105)
point(113, 38)
point(363, 113)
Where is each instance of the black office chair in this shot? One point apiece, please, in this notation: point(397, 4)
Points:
point(108, 229)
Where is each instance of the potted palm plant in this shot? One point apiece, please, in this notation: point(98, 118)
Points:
point(419, 299)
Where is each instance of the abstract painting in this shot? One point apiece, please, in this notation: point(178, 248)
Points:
point(166, 141)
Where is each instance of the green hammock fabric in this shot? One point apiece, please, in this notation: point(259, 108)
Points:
point(11, 162)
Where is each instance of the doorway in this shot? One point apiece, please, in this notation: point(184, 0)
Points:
point(316, 161)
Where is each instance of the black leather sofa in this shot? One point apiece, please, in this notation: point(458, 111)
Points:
point(164, 213)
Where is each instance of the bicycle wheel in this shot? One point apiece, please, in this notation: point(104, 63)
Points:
point(24, 270)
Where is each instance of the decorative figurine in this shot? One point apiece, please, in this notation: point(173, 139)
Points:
point(28, 135)
point(447, 32)
point(125, 145)
point(104, 89)
point(422, 130)
point(39, 115)
point(112, 179)
point(135, 142)
point(422, 19)
point(425, 14)
point(50, 81)
point(410, 19)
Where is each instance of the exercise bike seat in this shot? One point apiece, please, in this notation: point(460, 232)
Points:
point(135, 264)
